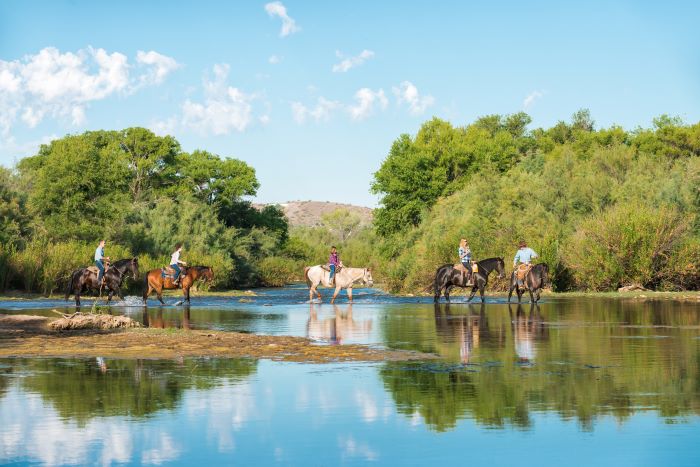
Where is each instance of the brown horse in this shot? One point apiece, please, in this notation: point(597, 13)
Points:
point(157, 280)
point(85, 279)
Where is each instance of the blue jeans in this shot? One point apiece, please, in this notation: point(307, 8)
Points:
point(177, 269)
point(330, 278)
point(100, 265)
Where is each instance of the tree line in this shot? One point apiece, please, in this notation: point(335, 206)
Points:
point(604, 207)
point(142, 193)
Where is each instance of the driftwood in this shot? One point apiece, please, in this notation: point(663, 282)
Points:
point(92, 321)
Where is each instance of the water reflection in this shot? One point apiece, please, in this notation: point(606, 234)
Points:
point(581, 362)
point(339, 328)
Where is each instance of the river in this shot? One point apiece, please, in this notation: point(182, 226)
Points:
point(578, 381)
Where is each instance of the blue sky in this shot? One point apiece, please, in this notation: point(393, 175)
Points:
point(312, 94)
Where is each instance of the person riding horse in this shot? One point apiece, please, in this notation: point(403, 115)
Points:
point(524, 255)
point(465, 257)
point(175, 263)
point(334, 263)
point(100, 260)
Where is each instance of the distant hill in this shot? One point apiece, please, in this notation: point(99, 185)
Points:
point(308, 213)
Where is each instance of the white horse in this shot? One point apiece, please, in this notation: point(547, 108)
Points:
point(344, 279)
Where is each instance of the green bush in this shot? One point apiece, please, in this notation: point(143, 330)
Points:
point(276, 271)
point(627, 244)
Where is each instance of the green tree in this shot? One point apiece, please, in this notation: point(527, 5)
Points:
point(79, 186)
point(214, 180)
point(150, 159)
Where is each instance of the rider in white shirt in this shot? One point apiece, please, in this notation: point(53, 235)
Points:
point(175, 263)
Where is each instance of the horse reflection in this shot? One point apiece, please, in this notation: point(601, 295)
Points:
point(338, 329)
point(153, 318)
point(527, 329)
point(464, 329)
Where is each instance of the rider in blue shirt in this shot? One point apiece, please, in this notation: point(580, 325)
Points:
point(100, 259)
point(524, 255)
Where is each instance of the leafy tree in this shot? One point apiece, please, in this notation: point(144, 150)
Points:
point(214, 180)
point(342, 222)
point(14, 222)
point(150, 159)
point(79, 186)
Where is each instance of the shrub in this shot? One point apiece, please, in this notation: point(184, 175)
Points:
point(624, 245)
point(276, 271)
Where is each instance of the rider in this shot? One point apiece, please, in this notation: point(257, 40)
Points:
point(334, 263)
point(100, 259)
point(524, 255)
point(465, 256)
point(175, 263)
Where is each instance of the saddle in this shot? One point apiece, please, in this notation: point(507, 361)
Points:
point(168, 272)
point(466, 273)
point(522, 270)
point(95, 271)
point(327, 268)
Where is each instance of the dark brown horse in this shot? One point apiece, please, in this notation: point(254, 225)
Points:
point(85, 279)
point(157, 280)
point(536, 279)
point(447, 277)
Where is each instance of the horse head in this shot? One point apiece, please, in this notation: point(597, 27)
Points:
point(134, 268)
point(500, 267)
point(206, 273)
point(367, 277)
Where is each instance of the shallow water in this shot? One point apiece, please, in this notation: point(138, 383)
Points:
point(575, 381)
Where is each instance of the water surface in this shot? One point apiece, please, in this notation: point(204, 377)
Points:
point(575, 381)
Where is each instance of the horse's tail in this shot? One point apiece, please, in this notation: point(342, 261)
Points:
point(436, 286)
point(69, 289)
point(306, 276)
point(145, 285)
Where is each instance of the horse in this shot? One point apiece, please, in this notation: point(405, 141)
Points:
point(155, 281)
point(344, 279)
point(447, 277)
point(536, 279)
point(85, 278)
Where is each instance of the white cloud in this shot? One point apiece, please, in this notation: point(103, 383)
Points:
point(351, 62)
point(62, 85)
point(321, 112)
point(160, 66)
point(274, 59)
point(531, 98)
point(225, 108)
point(408, 93)
point(366, 100)
point(289, 26)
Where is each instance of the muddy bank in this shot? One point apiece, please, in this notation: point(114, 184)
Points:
point(30, 336)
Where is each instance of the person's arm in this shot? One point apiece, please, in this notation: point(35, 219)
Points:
point(516, 258)
point(534, 254)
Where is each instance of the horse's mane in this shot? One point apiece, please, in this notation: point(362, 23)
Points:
point(200, 268)
point(122, 262)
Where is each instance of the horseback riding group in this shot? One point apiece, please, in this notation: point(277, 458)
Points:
point(468, 273)
point(109, 276)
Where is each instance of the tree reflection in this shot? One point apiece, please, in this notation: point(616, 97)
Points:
point(500, 364)
point(81, 389)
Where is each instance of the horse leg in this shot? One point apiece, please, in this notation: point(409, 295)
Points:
point(510, 291)
point(481, 292)
point(438, 291)
point(537, 296)
point(109, 295)
point(186, 293)
point(349, 290)
point(471, 295)
point(335, 294)
point(311, 294)
point(77, 297)
point(519, 292)
point(447, 292)
point(159, 294)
